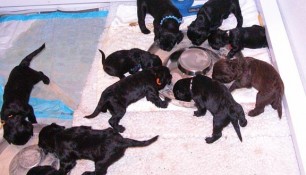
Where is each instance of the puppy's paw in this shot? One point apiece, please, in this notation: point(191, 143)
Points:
point(145, 31)
point(46, 80)
point(164, 104)
point(243, 122)
point(88, 173)
point(199, 113)
point(255, 112)
point(119, 128)
point(210, 140)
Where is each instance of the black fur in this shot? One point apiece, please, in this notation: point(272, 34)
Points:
point(212, 96)
point(210, 18)
point(166, 34)
point(117, 97)
point(16, 108)
point(123, 61)
point(104, 147)
point(43, 170)
point(239, 38)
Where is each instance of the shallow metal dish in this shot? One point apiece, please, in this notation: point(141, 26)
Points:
point(30, 157)
point(186, 61)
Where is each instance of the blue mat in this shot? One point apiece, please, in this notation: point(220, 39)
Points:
point(71, 43)
point(45, 108)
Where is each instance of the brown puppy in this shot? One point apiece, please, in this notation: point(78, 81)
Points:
point(250, 72)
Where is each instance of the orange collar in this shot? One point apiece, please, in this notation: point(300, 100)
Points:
point(158, 81)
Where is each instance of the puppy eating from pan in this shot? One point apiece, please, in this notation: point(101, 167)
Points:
point(104, 147)
point(239, 38)
point(17, 115)
point(250, 72)
point(167, 21)
point(117, 97)
point(213, 96)
point(120, 62)
point(210, 18)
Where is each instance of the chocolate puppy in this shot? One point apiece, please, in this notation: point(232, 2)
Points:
point(250, 72)
point(43, 170)
point(17, 115)
point(117, 97)
point(210, 17)
point(104, 147)
point(239, 38)
point(123, 61)
point(213, 96)
point(167, 21)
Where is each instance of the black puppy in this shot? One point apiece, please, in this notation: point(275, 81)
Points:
point(16, 108)
point(210, 17)
point(239, 38)
point(117, 97)
point(167, 21)
point(43, 170)
point(123, 61)
point(104, 147)
point(213, 96)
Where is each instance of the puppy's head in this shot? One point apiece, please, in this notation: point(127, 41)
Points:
point(218, 39)
point(47, 137)
point(43, 170)
point(150, 60)
point(225, 71)
point(162, 76)
point(17, 130)
point(198, 30)
point(181, 90)
point(169, 38)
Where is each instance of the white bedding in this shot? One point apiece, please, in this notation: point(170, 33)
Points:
point(181, 149)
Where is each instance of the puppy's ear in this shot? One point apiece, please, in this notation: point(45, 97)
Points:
point(179, 37)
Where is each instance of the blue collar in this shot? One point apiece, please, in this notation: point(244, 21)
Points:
point(136, 68)
point(170, 17)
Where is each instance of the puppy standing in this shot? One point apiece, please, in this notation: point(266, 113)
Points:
point(167, 21)
point(212, 96)
point(117, 97)
point(250, 72)
point(16, 108)
point(239, 38)
point(210, 18)
point(104, 147)
point(123, 61)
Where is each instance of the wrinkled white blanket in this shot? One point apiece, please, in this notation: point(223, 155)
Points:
point(181, 149)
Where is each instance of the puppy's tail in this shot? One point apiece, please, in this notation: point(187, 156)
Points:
point(237, 129)
point(135, 143)
point(103, 56)
point(277, 103)
point(238, 117)
point(27, 60)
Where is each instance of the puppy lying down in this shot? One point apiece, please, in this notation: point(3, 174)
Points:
point(239, 38)
point(213, 96)
point(118, 96)
point(104, 147)
point(122, 61)
point(210, 18)
point(250, 72)
point(17, 115)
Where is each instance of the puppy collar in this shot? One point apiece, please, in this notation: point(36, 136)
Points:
point(178, 20)
point(136, 68)
point(158, 82)
point(3, 121)
point(227, 33)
